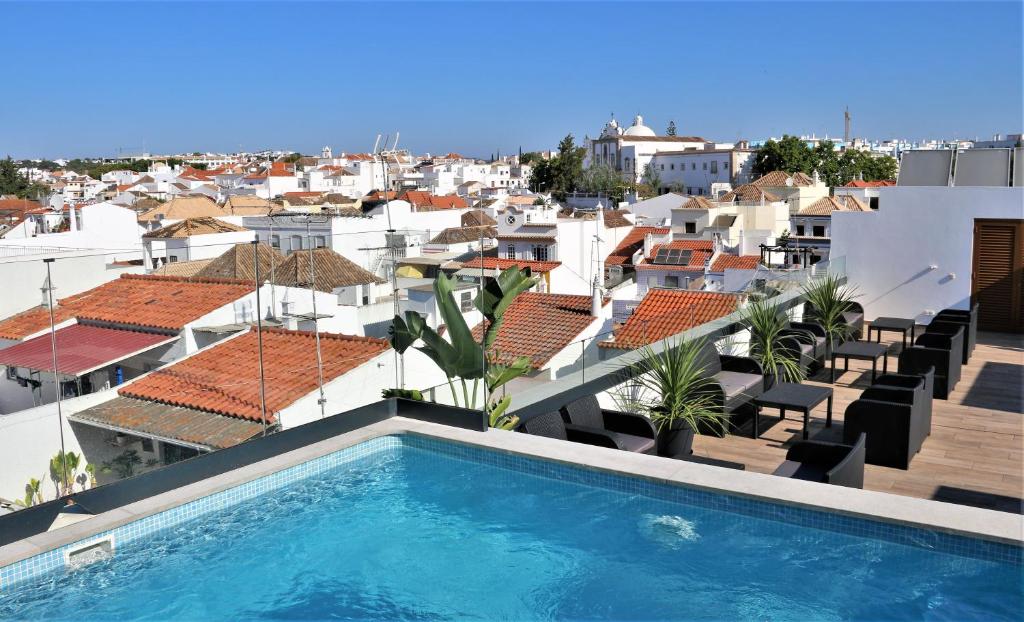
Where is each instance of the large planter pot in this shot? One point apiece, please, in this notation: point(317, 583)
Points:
point(675, 439)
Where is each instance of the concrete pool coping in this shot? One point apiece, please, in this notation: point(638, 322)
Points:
point(1001, 527)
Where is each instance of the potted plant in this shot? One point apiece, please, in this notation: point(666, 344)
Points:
point(828, 300)
point(461, 356)
point(673, 390)
point(770, 344)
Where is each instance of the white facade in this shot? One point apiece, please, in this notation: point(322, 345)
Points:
point(104, 227)
point(913, 257)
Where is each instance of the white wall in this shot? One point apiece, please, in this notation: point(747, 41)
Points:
point(889, 253)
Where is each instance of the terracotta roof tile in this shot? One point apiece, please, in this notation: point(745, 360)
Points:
point(330, 270)
point(237, 263)
point(634, 241)
point(826, 205)
point(860, 183)
point(498, 263)
point(424, 200)
point(666, 312)
point(698, 203)
point(180, 208)
point(224, 379)
point(477, 218)
point(777, 179)
point(615, 218)
point(193, 226)
point(702, 251)
point(163, 302)
point(539, 326)
point(748, 193)
point(741, 262)
point(457, 235)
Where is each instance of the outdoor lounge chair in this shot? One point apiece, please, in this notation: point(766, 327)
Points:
point(630, 432)
point(829, 463)
point(947, 327)
point(736, 380)
point(968, 318)
point(924, 383)
point(943, 352)
point(551, 425)
point(814, 348)
point(895, 426)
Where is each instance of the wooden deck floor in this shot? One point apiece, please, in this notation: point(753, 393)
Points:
point(974, 456)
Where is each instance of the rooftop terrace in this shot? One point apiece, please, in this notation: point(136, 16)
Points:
point(974, 456)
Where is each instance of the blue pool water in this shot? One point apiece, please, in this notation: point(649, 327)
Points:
point(410, 533)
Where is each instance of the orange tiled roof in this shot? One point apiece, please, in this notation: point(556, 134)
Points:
point(666, 312)
point(615, 218)
point(498, 263)
point(741, 262)
point(422, 199)
point(539, 326)
point(702, 250)
point(634, 240)
point(777, 179)
point(164, 302)
point(826, 205)
point(748, 193)
point(223, 379)
point(860, 183)
point(698, 203)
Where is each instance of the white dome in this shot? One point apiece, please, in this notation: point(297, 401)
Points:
point(639, 129)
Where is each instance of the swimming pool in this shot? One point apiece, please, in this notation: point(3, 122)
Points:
point(409, 527)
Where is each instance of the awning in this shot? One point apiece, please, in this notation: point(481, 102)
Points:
point(173, 424)
point(81, 349)
point(474, 273)
point(724, 221)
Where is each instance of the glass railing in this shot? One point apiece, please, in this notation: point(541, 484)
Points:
point(601, 363)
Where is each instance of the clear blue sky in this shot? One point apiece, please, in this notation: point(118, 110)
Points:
point(86, 79)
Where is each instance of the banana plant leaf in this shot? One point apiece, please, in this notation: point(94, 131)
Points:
point(403, 333)
point(498, 294)
point(466, 355)
point(498, 375)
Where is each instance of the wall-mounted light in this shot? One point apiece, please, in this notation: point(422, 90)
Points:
point(951, 276)
point(933, 267)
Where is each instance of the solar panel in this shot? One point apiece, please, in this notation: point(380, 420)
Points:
point(982, 167)
point(673, 256)
point(925, 168)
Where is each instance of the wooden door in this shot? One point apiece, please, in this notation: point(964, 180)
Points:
point(997, 280)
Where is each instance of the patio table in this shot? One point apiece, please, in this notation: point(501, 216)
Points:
point(793, 396)
point(861, 350)
point(894, 325)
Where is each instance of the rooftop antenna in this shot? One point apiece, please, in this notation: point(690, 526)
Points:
point(393, 252)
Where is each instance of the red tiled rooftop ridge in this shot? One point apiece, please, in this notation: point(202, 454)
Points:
point(634, 240)
point(499, 263)
point(741, 262)
point(666, 312)
point(224, 379)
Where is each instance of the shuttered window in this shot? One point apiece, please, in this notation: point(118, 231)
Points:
point(998, 278)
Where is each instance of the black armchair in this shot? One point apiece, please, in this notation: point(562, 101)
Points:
point(734, 380)
point(551, 425)
point(818, 339)
point(895, 429)
point(829, 463)
point(944, 327)
point(923, 383)
point(943, 352)
point(628, 431)
point(968, 318)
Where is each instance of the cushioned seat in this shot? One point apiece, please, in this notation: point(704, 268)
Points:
point(628, 442)
point(799, 470)
point(739, 387)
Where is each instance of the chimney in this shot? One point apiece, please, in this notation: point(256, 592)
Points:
point(73, 219)
point(648, 244)
point(595, 299)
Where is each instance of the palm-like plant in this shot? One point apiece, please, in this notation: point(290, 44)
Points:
point(62, 471)
point(828, 298)
point(461, 356)
point(676, 394)
point(32, 494)
point(769, 344)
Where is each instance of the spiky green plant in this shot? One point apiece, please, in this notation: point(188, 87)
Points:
point(769, 345)
point(675, 388)
point(32, 494)
point(460, 356)
point(828, 298)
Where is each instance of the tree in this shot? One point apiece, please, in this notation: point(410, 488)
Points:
point(671, 130)
point(13, 182)
point(651, 178)
point(790, 154)
point(561, 174)
point(825, 161)
point(530, 157)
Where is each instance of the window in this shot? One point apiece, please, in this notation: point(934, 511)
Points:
point(652, 281)
point(510, 251)
point(626, 160)
point(819, 231)
point(704, 165)
point(693, 166)
point(796, 258)
point(540, 252)
point(689, 190)
point(319, 241)
point(691, 227)
point(714, 167)
point(725, 166)
point(873, 202)
point(799, 229)
point(466, 301)
point(275, 241)
point(12, 373)
point(662, 167)
point(671, 281)
point(672, 166)
point(296, 243)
